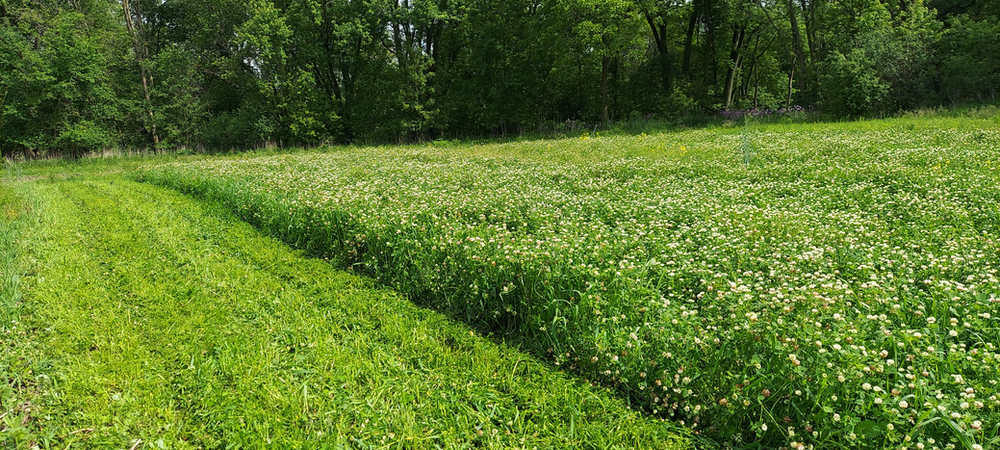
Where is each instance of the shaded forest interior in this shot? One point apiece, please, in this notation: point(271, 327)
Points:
point(82, 75)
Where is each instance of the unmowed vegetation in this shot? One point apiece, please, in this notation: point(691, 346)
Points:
point(763, 285)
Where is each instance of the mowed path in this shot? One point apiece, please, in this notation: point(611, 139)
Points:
point(159, 321)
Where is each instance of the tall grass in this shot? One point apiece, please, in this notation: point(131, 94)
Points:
point(17, 382)
point(15, 212)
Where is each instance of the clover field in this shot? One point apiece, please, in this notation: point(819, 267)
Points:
point(797, 286)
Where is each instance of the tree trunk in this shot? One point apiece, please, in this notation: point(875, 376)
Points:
point(791, 78)
point(799, 58)
point(711, 66)
point(689, 40)
point(605, 62)
point(811, 27)
point(756, 91)
point(812, 43)
point(397, 43)
point(660, 36)
point(332, 84)
point(734, 65)
point(747, 79)
point(141, 55)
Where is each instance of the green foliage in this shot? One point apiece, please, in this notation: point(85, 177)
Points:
point(881, 75)
point(223, 74)
point(505, 69)
point(181, 112)
point(970, 69)
point(243, 128)
point(852, 86)
point(55, 88)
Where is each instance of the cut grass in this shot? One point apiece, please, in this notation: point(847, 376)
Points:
point(161, 322)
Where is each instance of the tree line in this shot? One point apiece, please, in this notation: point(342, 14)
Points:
point(80, 75)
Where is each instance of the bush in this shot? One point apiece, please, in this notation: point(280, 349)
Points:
point(970, 65)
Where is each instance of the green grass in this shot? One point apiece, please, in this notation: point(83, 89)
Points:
point(16, 384)
point(152, 320)
point(825, 285)
point(14, 212)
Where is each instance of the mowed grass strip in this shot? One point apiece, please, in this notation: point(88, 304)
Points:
point(163, 322)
